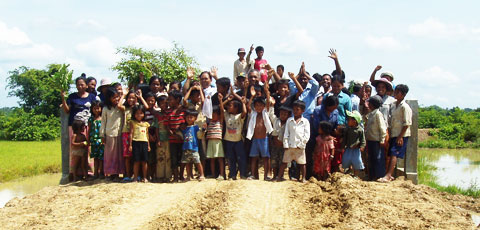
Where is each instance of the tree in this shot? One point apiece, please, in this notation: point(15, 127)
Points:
point(171, 65)
point(37, 89)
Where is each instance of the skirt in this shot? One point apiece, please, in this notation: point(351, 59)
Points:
point(113, 162)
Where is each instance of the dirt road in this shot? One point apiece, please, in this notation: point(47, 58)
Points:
point(340, 203)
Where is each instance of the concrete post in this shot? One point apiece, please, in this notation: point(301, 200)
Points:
point(410, 162)
point(65, 145)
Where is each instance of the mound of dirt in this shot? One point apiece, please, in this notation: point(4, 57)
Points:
point(341, 202)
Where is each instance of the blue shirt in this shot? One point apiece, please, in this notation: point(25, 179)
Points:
point(79, 107)
point(320, 114)
point(344, 104)
point(190, 140)
point(309, 96)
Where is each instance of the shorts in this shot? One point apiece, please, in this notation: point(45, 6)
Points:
point(215, 148)
point(352, 157)
point(398, 151)
point(126, 144)
point(260, 147)
point(81, 152)
point(190, 156)
point(139, 151)
point(276, 157)
point(298, 155)
point(175, 154)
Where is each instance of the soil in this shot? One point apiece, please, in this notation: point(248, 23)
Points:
point(423, 134)
point(341, 202)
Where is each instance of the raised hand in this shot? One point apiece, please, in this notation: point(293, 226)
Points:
point(333, 54)
point(214, 71)
point(379, 67)
point(220, 97)
point(230, 97)
point(291, 75)
point(190, 73)
point(252, 91)
point(138, 93)
point(270, 72)
point(62, 93)
point(244, 100)
point(267, 66)
point(251, 48)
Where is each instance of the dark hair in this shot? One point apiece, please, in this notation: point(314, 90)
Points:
point(330, 76)
point(191, 112)
point(259, 48)
point(334, 73)
point(317, 77)
point(368, 87)
point(95, 103)
point(116, 84)
point(338, 78)
point(137, 108)
point(153, 78)
point(300, 104)
point(195, 91)
point(330, 100)
point(375, 101)
point(111, 92)
point(126, 98)
point(175, 94)
point(237, 104)
point(326, 127)
point(161, 98)
point(216, 109)
point(77, 126)
point(345, 91)
point(402, 88)
point(83, 78)
point(259, 100)
point(89, 79)
point(224, 81)
point(285, 108)
point(357, 88)
point(259, 88)
point(148, 95)
point(282, 82)
point(281, 67)
point(207, 72)
point(176, 83)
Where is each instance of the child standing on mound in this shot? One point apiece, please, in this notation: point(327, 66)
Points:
point(190, 154)
point(175, 117)
point(375, 133)
point(297, 133)
point(95, 141)
point(353, 142)
point(164, 165)
point(139, 146)
point(79, 148)
point(324, 151)
point(214, 137)
point(277, 139)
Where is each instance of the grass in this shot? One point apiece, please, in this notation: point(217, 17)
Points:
point(426, 177)
point(28, 158)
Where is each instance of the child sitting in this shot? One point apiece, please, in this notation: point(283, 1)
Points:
point(297, 133)
point(277, 139)
point(190, 154)
point(375, 134)
point(353, 142)
point(79, 148)
point(214, 137)
point(400, 122)
point(324, 151)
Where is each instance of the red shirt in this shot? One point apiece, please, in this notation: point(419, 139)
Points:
point(173, 122)
point(263, 73)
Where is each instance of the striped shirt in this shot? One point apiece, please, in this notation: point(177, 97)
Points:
point(214, 130)
point(174, 120)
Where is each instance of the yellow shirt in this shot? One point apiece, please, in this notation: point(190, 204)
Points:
point(140, 130)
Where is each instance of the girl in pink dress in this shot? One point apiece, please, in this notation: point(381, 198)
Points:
point(324, 151)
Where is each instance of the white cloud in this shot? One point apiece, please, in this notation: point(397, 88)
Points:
point(384, 43)
point(97, 52)
point(90, 24)
point(298, 41)
point(13, 36)
point(150, 42)
point(434, 28)
point(436, 77)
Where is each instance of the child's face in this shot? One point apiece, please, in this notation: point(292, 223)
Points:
point(399, 96)
point(258, 93)
point(131, 99)
point(297, 111)
point(222, 89)
point(174, 87)
point(97, 111)
point(215, 116)
point(114, 99)
point(381, 89)
point(163, 105)
point(331, 108)
point(119, 90)
point(92, 85)
point(241, 82)
point(172, 102)
point(81, 86)
point(151, 102)
point(155, 86)
point(139, 114)
point(190, 119)
point(231, 108)
point(352, 122)
point(195, 97)
point(260, 54)
point(368, 92)
point(279, 71)
point(283, 116)
point(320, 131)
point(258, 106)
point(337, 87)
point(282, 90)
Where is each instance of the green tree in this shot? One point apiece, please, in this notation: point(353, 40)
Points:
point(37, 89)
point(170, 64)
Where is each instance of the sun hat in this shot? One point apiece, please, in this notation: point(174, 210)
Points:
point(104, 82)
point(355, 115)
point(383, 80)
point(387, 74)
point(241, 50)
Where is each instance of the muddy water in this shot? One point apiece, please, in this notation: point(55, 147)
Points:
point(25, 186)
point(459, 167)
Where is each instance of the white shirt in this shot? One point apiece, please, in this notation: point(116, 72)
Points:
point(296, 134)
point(207, 104)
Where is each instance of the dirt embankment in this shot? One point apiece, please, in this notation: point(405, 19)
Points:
point(340, 203)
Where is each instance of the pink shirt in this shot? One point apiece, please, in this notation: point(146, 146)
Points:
point(263, 73)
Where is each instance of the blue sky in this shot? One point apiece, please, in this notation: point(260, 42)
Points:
point(432, 46)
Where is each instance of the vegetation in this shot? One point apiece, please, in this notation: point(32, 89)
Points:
point(28, 158)
point(450, 128)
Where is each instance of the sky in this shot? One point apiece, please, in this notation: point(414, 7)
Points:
point(431, 46)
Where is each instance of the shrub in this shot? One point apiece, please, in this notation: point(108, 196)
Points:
point(28, 126)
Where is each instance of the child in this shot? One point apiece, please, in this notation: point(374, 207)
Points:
point(375, 134)
point(164, 170)
point(400, 122)
point(139, 146)
point(259, 126)
point(190, 145)
point(79, 148)
point(324, 151)
point(149, 117)
point(259, 62)
point(193, 100)
point(110, 131)
point(345, 103)
point(234, 145)
point(214, 138)
point(175, 117)
point(297, 133)
point(277, 139)
point(353, 142)
point(157, 86)
point(174, 86)
point(95, 141)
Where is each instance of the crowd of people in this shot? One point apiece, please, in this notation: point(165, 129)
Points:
point(311, 124)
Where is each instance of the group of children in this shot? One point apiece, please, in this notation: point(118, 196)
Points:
point(311, 124)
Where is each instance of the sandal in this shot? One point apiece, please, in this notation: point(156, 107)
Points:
point(383, 180)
